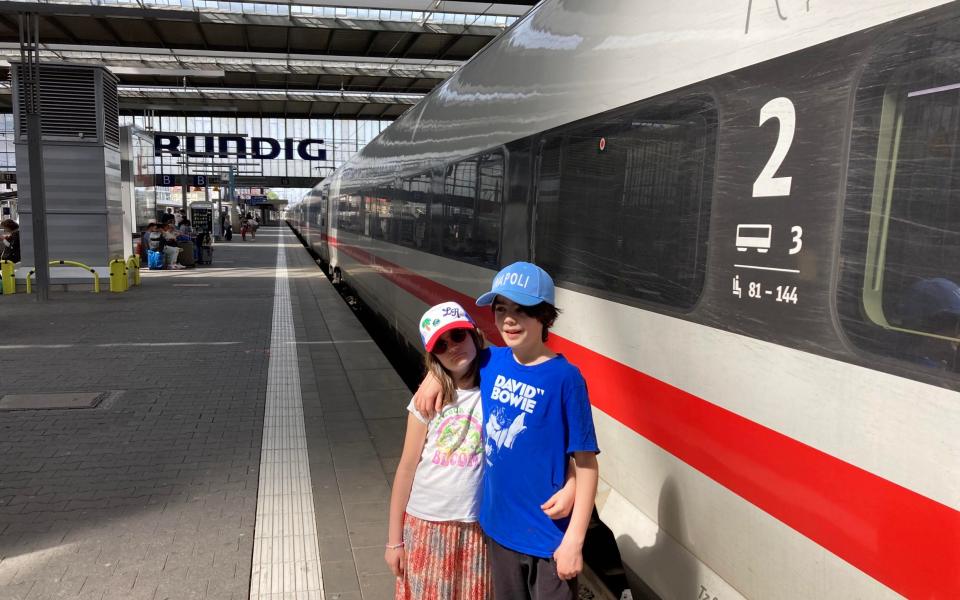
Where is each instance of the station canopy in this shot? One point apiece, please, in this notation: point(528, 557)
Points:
point(351, 59)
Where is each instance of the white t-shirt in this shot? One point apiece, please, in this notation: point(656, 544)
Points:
point(446, 486)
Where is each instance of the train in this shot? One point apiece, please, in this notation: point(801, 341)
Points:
point(752, 214)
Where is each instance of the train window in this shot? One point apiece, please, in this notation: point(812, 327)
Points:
point(414, 196)
point(623, 201)
point(489, 201)
point(379, 213)
point(899, 292)
point(468, 222)
point(322, 216)
point(349, 213)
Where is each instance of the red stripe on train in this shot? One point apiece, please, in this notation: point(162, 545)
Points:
point(903, 539)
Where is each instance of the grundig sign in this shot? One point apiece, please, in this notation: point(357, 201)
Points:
point(237, 146)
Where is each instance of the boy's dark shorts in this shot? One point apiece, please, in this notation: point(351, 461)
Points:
point(517, 576)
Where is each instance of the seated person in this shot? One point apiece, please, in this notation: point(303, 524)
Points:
point(10, 241)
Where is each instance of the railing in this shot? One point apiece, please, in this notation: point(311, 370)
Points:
point(67, 263)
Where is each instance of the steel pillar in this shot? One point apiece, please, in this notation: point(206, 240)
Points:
point(30, 63)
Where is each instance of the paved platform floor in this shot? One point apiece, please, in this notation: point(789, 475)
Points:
point(153, 494)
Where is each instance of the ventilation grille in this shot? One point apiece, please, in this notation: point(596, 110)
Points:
point(68, 103)
point(111, 112)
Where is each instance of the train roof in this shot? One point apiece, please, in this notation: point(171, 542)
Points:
point(569, 59)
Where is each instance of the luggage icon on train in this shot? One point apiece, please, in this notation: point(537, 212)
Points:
point(757, 237)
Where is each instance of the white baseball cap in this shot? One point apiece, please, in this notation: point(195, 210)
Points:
point(441, 318)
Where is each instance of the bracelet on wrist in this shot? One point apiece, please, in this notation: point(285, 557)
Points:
point(394, 546)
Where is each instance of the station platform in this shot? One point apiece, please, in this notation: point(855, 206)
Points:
point(243, 437)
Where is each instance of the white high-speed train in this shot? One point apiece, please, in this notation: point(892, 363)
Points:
point(752, 213)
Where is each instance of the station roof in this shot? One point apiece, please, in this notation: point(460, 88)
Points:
point(322, 58)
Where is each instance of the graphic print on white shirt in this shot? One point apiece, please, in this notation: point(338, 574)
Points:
point(457, 440)
point(446, 485)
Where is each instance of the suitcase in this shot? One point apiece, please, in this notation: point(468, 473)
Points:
point(186, 254)
point(154, 259)
point(206, 255)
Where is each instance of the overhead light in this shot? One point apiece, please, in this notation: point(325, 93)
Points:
point(177, 107)
point(200, 73)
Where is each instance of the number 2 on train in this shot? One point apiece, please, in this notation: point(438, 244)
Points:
point(766, 184)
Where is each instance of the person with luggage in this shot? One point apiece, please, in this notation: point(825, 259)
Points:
point(145, 240)
point(171, 248)
point(154, 242)
point(244, 226)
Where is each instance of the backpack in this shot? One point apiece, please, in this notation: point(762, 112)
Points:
point(154, 259)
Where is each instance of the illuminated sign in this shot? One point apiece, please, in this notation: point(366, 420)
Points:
point(239, 146)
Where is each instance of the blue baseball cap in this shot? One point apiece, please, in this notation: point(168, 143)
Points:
point(524, 283)
point(929, 298)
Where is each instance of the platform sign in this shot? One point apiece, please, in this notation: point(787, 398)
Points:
point(195, 180)
point(258, 200)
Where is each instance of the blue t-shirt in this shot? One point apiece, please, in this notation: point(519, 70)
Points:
point(534, 418)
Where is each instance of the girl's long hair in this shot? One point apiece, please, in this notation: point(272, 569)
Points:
point(433, 366)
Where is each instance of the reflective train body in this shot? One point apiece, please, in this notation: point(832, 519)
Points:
point(752, 214)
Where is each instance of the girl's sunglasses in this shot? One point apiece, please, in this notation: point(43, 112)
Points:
point(456, 336)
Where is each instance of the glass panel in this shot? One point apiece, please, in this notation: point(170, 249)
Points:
point(348, 213)
point(458, 233)
point(899, 292)
point(623, 202)
point(415, 196)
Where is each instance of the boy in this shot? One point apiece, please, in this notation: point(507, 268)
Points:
point(536, 415)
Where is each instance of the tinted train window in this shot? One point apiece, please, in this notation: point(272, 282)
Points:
point(322, 217)
point(899, 291)
point(468, 222)
point(348, 213)
point(414, 197)
point(379, 213)
point(623, 202)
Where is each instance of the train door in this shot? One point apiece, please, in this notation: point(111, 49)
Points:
point(322, 245)
point(330, 228)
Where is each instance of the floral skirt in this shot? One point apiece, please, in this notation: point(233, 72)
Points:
point(444, 560)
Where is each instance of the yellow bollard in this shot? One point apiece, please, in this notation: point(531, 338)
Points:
point(7, 275)
point(134, 263)
point(118, 275)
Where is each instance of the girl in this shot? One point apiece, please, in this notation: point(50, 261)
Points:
point(435, 546)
